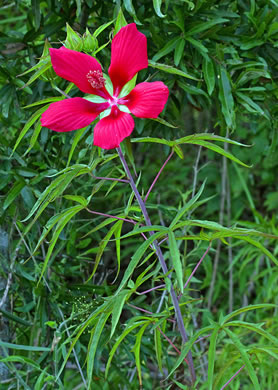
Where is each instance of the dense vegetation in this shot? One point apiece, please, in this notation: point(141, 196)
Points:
point(73, 315)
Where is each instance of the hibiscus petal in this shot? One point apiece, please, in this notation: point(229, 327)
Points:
point(110, 131)
point(128, 56)
point(146, 100)
point(77, 68)
point(71, 114)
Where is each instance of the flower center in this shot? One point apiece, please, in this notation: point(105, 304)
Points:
point(113, 101)
point(96, 79)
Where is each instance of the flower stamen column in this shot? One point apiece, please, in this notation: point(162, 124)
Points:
point(162, 263)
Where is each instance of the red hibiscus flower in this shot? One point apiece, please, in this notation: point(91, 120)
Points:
point(128, 56)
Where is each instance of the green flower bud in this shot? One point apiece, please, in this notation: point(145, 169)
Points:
point(90, 43)
point(73, 41)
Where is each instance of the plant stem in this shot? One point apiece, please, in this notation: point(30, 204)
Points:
point(157, 176)
point(162, 263)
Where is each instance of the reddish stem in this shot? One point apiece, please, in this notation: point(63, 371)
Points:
point(157, 176)
point(151, 289)
point(195, 269)
point(173, 345)
point(230, 380)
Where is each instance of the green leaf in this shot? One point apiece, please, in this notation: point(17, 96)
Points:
point(36, 13)
point(245, 357)
point(179, 51)
point(169, 46)
point(187, 206)
point(212, 356)
point(157, 8)
point(13, 193)
point(249, 104)
point(245, 309)
point(191, 89)
point(65, 218)
point(226, 98)
point(102, 28)
point(93, 345)
point(199, 46)
point(130, 9)
point(171, 69)
point(34, 137)
point(77, 198)
point(118, 304)
point(77, 137)
point(136, 350)
point(136, 258)
point(28, 124)
point(24, 347)
point(158, 348)
point(162, 122)
point(100, 309)
point(117, 234)
point(187, 346)
point(120, 339)
point(48, 100)
point(209, 75)
point(202, 26)
point(102, 247)
point(254, 328)
point(261, 247)
point(175, 256)
point(217, 149)
point(120, 21)
point(55, 189)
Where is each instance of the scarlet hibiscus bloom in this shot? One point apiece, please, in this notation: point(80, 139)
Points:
point(128, 56)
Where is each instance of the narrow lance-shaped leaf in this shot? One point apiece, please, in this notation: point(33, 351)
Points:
point(245, 357)
point(212, 356)
point(157, 8)
point(175, 256)
point(136, 258)
point(118, 304)
point(226, 98)
point(187, 206)
point(60, 226)
point(93, 345)
point(136, 350)
point(119, 340)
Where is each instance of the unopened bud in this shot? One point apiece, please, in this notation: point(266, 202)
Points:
point(73, 41)
point(90, 43)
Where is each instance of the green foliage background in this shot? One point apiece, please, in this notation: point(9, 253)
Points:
point(219, 60)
